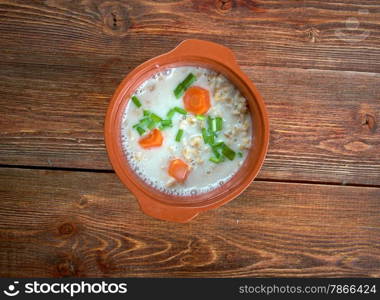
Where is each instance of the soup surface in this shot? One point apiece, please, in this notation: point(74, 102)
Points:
point(186, 130)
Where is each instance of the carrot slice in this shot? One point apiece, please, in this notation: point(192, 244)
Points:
point(152, 139)
point(197, 100)
point(179, 170)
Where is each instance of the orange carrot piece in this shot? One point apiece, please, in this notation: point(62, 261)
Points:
point(179, 170)
point(152, 139)
point(197, 100)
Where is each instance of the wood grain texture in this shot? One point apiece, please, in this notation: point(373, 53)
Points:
point(57, 223)
point(324, 124)
point(334, 34)
point(60, 62)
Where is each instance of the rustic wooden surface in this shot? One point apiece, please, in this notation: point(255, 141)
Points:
point(93, 227)
point(314, 210)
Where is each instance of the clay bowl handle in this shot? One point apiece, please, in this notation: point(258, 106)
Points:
point(205, 50)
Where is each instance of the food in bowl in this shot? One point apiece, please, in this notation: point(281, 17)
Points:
point(186, 130)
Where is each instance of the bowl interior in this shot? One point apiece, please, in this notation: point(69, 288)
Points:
point(237, 183)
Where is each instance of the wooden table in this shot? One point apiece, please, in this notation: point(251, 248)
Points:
point(314, 209)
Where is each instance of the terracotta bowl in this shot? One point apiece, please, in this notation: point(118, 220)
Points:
point(184, 208)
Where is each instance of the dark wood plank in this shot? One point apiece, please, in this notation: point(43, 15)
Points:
point(334, 34)
point(56, 223)
point(324, 124)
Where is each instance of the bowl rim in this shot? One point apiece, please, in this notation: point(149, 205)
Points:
point(189, 52)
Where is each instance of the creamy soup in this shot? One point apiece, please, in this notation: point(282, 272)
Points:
point(186, 130)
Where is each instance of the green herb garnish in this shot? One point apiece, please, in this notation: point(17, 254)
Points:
point(211, 139)
point(209, 123)
point(200, 117)
point(215, 151)
point(151, 121)
point(180, 110)
point(205, 135)
point(140, 130)
point(152, 124)
point(167, 123)
point(179, 135)
point(184, 85)
point(136, 101)
point(170, 113)
point(240, 154)
point(142, 123)
point(218, 144)
point(228, 152)
point(213, 125)
point(218, 123)
point(216, 160)
point(155, 118)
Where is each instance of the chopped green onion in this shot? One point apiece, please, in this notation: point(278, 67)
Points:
point(146, 113)
point(166, 123)
point(215, 151)
point(189, 80)
point(152, 124)
point(140, 130)
point(228, 152)
point(155, 118)
point(211, 139)
point(136, 101)
point(179, 135)
point(179, 91)
point(213, 125)
point(218, 145)
point(216, 160)
point(170, 113)
point(218, 123)
point(200, 117)
point(180, 110)
point(209, 122)
point(143, 122)
point(183, 86)
point(240, 154)
point(204, 135)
